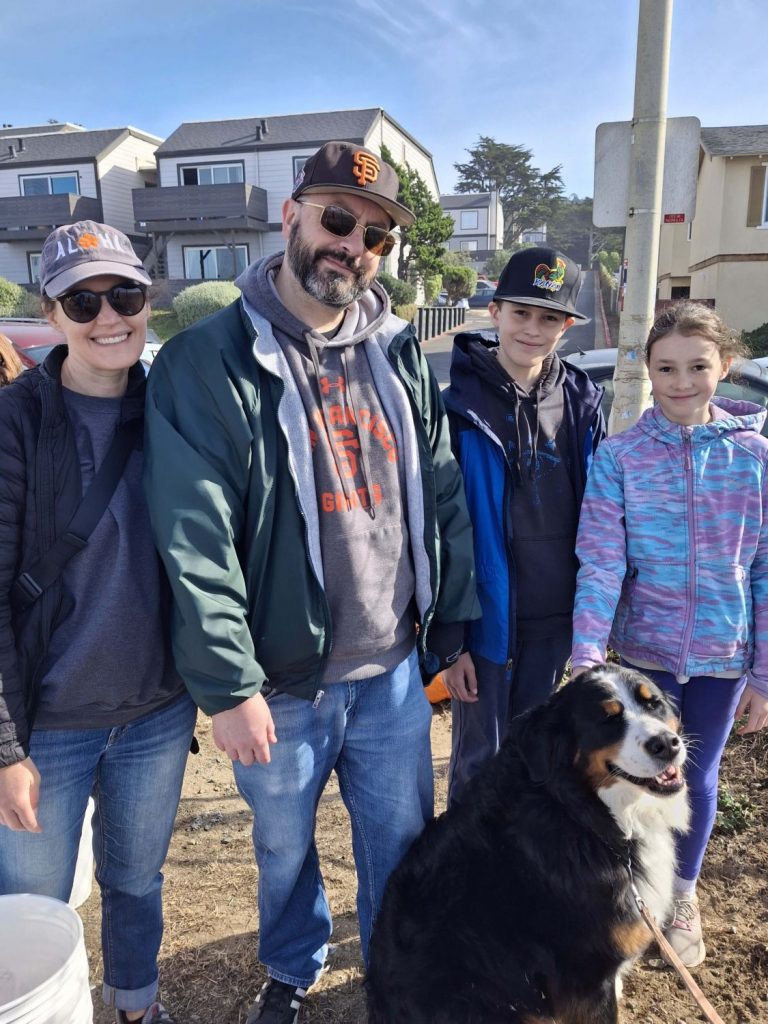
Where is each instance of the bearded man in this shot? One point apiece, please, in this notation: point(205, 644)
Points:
point(312, 520)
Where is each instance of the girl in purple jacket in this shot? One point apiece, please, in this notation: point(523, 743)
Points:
point(673, 548)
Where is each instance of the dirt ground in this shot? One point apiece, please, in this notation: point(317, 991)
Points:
point(209, 971)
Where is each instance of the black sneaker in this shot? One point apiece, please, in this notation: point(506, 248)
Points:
point(277, 1003)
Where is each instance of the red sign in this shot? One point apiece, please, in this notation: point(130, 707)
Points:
point(674, 218)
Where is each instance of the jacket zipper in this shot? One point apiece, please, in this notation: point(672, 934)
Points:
point(688, 471)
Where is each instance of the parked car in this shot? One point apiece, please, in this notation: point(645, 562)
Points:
point(484, 292)
point(748, 382)
point(33, 339)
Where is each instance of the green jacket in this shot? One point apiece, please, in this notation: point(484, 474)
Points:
point(234, 510)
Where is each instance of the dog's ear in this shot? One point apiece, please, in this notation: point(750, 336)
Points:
point(542, 739)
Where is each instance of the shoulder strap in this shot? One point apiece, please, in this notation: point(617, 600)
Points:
point(31, 584)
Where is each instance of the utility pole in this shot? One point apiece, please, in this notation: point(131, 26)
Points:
point(649, 128)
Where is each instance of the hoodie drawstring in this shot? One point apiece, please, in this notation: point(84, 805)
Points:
point(364, 461)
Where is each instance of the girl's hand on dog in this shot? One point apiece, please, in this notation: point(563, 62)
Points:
point(460, 679)
point(757, 705)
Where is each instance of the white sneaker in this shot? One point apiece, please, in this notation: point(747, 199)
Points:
point(684, 933)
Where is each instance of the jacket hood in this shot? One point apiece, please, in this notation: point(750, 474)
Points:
point(475, 371)
point(362, 318)
point(728, 416)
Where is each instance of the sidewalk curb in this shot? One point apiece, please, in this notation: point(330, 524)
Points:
point(607, 339)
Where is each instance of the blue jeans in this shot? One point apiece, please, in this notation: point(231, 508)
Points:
point(374, 733)
point(134, 772)
point(479, 729)
point(706, 705)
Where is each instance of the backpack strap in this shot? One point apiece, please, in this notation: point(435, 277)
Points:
point(31, 584)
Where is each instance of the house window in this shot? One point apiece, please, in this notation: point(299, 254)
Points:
point(765, 200)
point(470, 220)
point(298, 164)
point(50, 184)
point(468, 245)
point(33, 259)
point(214, 262)
point(212, 174)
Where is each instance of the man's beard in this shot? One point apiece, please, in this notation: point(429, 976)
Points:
point(328, 286)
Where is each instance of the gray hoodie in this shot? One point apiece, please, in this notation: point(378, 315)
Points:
point(367, 564)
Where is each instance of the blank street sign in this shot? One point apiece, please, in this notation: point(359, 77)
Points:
point(613, 155)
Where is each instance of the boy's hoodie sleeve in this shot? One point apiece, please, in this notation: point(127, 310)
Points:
point(757, 677)
point(602, 553)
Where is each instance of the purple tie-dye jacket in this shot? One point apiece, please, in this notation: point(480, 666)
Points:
point(673, 546)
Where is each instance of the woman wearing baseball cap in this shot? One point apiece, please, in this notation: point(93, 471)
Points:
point(90, 702)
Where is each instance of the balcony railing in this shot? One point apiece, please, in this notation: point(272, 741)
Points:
point(237, 206)
point(30, 217)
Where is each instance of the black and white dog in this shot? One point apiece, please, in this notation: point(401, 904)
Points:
point(516, 905)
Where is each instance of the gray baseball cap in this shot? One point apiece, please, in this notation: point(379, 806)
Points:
point(75, 252)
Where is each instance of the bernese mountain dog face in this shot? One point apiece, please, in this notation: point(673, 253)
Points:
point(627, 733)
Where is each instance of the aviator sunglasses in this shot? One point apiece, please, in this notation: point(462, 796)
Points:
point(340, 222)
point(84, 305)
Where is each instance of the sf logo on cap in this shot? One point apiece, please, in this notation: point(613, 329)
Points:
point(365, 168)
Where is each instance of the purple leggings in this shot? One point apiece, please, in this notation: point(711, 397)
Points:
point(706, 705)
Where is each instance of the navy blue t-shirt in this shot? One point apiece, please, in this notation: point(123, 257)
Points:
point(108, 660)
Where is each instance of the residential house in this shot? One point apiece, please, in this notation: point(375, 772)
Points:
point(722, 255)
point(222, 185)
point(478, 224)
point(59, 173)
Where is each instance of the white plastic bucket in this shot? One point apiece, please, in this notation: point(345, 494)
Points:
point(83, 883)
point(43, 965)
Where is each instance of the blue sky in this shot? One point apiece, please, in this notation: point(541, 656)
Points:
point(542, 75)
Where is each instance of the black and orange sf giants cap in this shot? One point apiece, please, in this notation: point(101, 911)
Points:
point(343, 168)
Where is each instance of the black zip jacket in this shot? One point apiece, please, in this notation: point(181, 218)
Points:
point(40, 490)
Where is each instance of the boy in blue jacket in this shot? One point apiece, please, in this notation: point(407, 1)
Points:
point(524, 427)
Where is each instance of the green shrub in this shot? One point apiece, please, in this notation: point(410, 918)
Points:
point(496, 263)
point(407, 311)
point(201, 300)
point(401, 293)
point(30, 304)
point(757, 341)
point(17, 301)
point(459, 282)
point(433, 285)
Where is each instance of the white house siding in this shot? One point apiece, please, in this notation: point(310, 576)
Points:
point(10, 184)
point(403, 151)
point(13, 260)
point(119, 175)
point(276, 176)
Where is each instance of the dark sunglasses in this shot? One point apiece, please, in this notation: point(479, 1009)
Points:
point(84, 305)
point(342, 223)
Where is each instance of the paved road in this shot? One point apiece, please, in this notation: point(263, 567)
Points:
point(580, 336)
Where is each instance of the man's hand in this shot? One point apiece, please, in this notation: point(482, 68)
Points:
point(460, 679)
point(757, 706)
point(245, 732)
point(19, 796)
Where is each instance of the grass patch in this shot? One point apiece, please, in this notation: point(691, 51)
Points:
point(734, 813)
point(164, 323)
